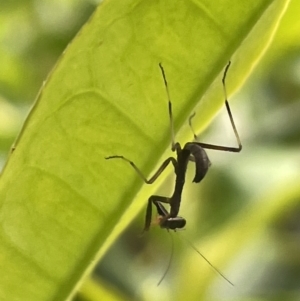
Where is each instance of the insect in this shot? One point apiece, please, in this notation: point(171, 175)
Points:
point(191, 151)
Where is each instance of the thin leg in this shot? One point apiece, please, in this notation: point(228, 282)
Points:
point(157, 173)
point(220, 147)
point(174, 145)
point(161, 210)
point(191, 126)
point(228, 108)
point(154, 199)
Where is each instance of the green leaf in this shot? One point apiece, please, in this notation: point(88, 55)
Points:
point(62, 204)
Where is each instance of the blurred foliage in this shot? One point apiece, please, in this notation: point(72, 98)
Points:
point(267, 112)
point(33, 34)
